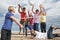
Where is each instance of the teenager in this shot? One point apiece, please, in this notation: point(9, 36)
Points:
point(36, 15)
point(6, 28)
point(36, 18)
point(23, 17)
point(31, 23)
point(42, 18)
point(50, 34)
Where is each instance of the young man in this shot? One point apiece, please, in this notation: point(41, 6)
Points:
point(42, 18)
point(36, 18)
point(6, 28)
point(23, 17)
point(50, 34)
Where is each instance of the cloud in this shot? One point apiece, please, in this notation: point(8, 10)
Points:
point(54, 1)
point(52, 6)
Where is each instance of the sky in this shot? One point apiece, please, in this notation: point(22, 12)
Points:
point(52, 7)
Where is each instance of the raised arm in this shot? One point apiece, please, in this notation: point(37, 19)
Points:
point(56, 28)
point(19, 8)
point(32, 7)
point(28, 12)
point(42, 9)
point(16, 21)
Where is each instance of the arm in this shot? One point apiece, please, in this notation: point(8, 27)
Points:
point(32, 7)
point(28, 12)
point(57, 28)
point(19, 8)
point(16, 21)
point(42, 9)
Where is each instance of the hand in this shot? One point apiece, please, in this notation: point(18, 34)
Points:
point(19, 5)
point(21, 26)
point(41, 6)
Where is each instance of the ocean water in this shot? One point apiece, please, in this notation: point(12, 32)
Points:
point(50, 21)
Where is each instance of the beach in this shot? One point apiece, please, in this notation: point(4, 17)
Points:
point(20, 37)
point(16, 36)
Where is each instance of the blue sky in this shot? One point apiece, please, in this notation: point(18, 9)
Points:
point(52, 7)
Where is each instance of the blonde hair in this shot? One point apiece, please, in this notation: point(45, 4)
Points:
point(10, 8)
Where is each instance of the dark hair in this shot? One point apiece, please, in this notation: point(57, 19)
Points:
point(24, 8)
point(37, 10)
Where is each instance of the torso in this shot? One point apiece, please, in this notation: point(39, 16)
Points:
point(8, 21)
point(23, 16)
point(42, 18)
point(31, 19)
point(36, 18)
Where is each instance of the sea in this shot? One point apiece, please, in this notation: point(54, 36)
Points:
point(50, 21)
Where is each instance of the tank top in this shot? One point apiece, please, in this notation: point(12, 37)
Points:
point(43, 18)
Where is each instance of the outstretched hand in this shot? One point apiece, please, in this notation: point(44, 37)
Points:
point(21, 26)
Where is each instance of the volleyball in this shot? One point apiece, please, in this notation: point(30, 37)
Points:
point(31, 2)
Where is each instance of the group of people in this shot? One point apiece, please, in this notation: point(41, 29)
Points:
point(23, 24)
point(32, 21)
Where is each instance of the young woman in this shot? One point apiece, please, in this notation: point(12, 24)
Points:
point(36, 20)
point(23, 17)
point(6, 28)
point(42, 18)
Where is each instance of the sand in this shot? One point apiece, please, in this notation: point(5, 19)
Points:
point(23, 37)
point(16, 36)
